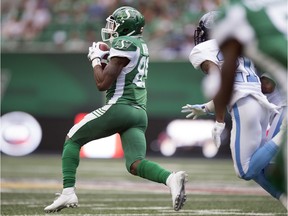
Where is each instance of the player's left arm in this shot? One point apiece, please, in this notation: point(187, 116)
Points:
point(105, 78)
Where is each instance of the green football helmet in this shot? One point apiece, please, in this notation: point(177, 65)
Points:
point(125, 21)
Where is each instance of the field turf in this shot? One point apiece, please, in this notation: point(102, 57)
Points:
point(105, 188)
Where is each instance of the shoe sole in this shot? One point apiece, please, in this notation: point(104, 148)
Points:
point(70, 205)
point(181, 198)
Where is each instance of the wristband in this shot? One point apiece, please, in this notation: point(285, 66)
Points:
point(95, 62)
point(209, 106)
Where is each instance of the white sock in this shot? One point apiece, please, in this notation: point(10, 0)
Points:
point(168, 179)
point(68, 190)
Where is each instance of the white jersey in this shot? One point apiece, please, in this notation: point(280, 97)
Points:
point(246, 80)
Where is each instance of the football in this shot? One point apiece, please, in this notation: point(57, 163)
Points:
point(104, 47)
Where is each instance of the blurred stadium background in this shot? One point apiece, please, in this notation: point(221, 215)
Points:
point(45, 72)
point(72, 25)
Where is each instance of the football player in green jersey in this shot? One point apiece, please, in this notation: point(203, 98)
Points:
point(123, 79)
point(257, 29)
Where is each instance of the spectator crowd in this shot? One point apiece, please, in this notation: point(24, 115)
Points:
point(72, 25)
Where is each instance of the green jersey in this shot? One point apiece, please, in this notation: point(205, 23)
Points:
point(261, 27)
point(130, 88)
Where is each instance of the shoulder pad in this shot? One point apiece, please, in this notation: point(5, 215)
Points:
point(124, 43)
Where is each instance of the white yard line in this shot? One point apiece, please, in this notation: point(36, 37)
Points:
point(143, 187)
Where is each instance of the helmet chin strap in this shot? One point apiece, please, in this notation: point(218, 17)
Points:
point(131, 33)
point(112, 38)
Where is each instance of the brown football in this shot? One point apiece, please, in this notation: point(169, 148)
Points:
point(103, 46)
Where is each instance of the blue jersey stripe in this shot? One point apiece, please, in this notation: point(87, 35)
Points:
point(237, 141)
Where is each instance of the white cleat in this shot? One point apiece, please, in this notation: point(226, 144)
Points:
point(176, 182)
point(67, 199)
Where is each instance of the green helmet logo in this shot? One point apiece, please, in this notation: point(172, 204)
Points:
point(125, 21)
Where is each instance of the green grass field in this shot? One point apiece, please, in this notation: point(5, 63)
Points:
point(104, 187)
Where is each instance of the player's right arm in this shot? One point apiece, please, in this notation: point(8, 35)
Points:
point(105, 78)
point(214, 72)
point(231, 50)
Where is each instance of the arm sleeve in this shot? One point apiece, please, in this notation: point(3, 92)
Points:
point(131, 52)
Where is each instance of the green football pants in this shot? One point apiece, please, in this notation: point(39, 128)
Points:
point(130, 122)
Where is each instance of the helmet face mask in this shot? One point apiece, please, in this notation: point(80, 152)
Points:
point(204, 27)
point(125, 21)
point(200, 34)
point(109, 32)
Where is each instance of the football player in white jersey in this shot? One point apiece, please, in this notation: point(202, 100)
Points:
point(249, 108)
point(257, 29)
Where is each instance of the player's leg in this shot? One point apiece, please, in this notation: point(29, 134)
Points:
point(246, 133)
point(274, 128)
point(250, 157)
point(134, 146)
point(269, 150)
point(263, 181)
point(93, 126)
point(277, 174)
point(264, 154)
point(133, 141)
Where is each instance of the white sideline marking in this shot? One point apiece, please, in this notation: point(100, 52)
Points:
point(131, 187)
point(182, 213)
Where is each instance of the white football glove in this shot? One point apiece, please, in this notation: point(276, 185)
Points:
point(95, 52)
point(196, 110)
point(216, 133)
